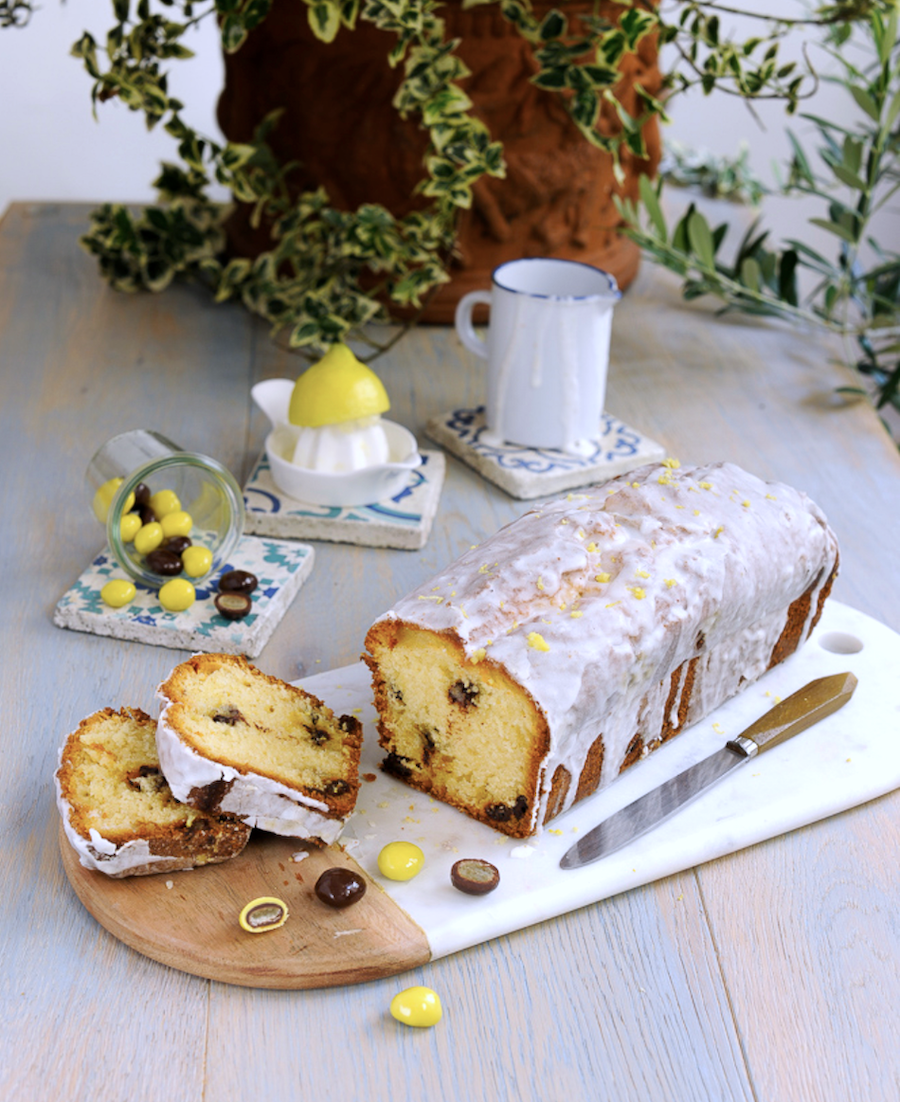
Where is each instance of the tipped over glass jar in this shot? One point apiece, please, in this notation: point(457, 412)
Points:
point(158, 501)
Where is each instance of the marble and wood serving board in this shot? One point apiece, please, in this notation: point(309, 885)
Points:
point(189, 920)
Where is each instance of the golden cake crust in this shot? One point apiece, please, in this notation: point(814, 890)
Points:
point(615, 618)
point(118, 810)
point(239, 740)
point(501, 814)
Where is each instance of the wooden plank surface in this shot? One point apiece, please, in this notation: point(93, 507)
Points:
point(765, 976)
point(191, 922)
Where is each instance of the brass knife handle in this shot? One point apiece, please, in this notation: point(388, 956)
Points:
point(795, 713)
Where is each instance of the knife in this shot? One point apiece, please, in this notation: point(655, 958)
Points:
point(805, 707)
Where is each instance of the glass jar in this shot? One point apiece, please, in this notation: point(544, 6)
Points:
point(205, 489)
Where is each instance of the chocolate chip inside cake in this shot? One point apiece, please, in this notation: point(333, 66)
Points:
point(234, 739)
point(118, 810)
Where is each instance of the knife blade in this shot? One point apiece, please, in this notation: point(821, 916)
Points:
point(796, 713)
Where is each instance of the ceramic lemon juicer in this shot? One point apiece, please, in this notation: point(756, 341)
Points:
point(329, 444)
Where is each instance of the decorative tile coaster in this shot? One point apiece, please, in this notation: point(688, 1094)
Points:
point(280, 567)
point(536, 472)
point(403, 521)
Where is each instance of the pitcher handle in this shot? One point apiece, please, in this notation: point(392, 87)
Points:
point(463, 321)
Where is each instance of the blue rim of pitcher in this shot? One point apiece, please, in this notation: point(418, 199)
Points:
point(614, 289)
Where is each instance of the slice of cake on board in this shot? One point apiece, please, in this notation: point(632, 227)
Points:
point(234, 740)
point(540, 664)
point(119, 813)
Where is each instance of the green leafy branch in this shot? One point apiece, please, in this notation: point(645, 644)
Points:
point(856, 299)
point(716, 177)
point(15, 13)
point(316, 282)
point(329, 271)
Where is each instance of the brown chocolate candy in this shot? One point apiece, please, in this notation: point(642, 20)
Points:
point(142, 494)
point(474, 876)
point(340, 887)
point(238, 581)
point(176, 544)
point(165, 562)
point(233, 606)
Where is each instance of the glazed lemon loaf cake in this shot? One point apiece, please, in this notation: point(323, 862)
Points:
point(118, 811)
point(539, 665)
point(234, 740)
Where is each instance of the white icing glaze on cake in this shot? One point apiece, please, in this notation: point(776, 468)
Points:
point(102, 855)
point(591, 601)
point(259, 801)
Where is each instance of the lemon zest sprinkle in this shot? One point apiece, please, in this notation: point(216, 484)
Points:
point(536, 640)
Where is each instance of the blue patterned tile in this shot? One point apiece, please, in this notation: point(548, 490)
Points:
point(537, 472)
point(402, 521)
point(281, 568)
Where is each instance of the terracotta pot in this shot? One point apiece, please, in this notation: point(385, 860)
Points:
point(339, 124)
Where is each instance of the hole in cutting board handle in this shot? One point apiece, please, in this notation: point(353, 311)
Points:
point(841, 642)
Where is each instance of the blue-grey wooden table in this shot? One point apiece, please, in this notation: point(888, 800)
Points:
point(772, 975)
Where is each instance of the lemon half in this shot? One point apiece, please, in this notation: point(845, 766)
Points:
point(338, 388)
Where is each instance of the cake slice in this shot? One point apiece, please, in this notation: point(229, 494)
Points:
point(236, 741)
point(119, 813)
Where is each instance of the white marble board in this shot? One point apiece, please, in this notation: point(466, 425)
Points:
point(849, 758)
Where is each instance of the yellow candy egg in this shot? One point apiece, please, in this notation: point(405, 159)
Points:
point(400, 861)
point(197, 560)
point(148, 537)
point(418, 1006)
point(103, 498)
point(164, 502)
point(118, 593)
point(177, 595)
point(178, 523)
point(129, 527)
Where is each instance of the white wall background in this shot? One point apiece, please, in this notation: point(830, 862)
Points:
point(51, 147)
